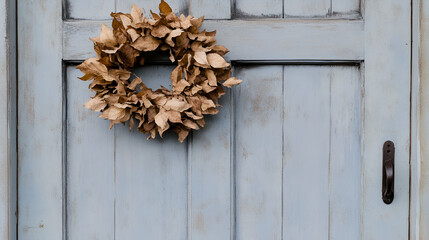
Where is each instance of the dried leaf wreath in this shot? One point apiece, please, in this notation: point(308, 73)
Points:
point(197, 80)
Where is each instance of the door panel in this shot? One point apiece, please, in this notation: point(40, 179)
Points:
point(258, 157)
point(295, 152)
point(90, 179)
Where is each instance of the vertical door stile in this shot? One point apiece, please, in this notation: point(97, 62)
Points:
point(40, 120)
point(386, 115)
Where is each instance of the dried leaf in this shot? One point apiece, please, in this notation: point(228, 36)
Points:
point(96, 104)
point(171, 35)
point(113, 113)
point(106, 36)
point(201, 58)
point(211, 77)
point(146, 43)
point(232, 82)
point(177, 105)
point(217, 61)
point(190, 124)
point(164, 8)
point(160, 31)
point(136, 14)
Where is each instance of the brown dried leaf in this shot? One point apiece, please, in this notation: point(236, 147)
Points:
point(171, 35)
point(232, 82)
point(183, 133)
point(180, 86)
point(160, 31)
point(190, 124)
point(164, 8)
point(113, 113)
point(161, 119)
point(176, 105)
point(146, 43)
point(217, 61)
point(136, 14)
point(126, 21)
point(106, 36)
point(96, 104)
point(201, 58)
point(211, 77)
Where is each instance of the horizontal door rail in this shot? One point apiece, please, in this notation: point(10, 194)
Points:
point(253, 40)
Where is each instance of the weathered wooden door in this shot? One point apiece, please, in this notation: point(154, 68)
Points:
point(296, 152)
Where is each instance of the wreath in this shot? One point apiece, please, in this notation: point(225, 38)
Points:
point(197, 80)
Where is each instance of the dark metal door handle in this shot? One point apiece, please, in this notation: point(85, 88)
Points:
point(388, 172)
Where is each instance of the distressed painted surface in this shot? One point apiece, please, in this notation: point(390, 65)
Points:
point(424, 119)
point(93, 9)
point(386, 115)
point(285, 151)
point(40, 101)
point(7, 120)
point(259, 153)
point(210, 9)
point(258, 9)
point(151, 185)
point(90, 149)
point(350, 7)
point(178, 6)
point(290, 40)
point(306, 8)
point(220, 9)
point(321, 191)
point(210, 164)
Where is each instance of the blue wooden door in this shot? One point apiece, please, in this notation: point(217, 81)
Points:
point(295, 152)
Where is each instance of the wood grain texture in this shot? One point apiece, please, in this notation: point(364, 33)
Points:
point(307, 8)
point(258, 112)
point(321, 191)
point(423, 187)
point(346, 7)
point(210, 177)
point(306, 152)
point(93, 9)
point(258, 9)
point(8, 120)
point(210, 9)
point(151, 179)
point(386, 116)
point(345, 157)
point(40, 120)
point(90, 166)
point(279, 39)
point(178, 6)
point(417, 118)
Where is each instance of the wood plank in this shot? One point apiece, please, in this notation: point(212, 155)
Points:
point(8, 166)
point(178, 6)
point(418, 114)
point(210, 9)
point(210, 165)
point(90, 166)
point(40, 120)
point(151, 179)
point(258, 112)
point(386, 116)
point(306, 152)
point(292, 40)
point(307, 8)
point(258, 9)
point(423, 183)
point(346, 7)
point(83, 9)
point(345, 158)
